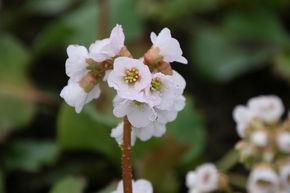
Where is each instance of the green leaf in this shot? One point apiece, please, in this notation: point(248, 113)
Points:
point(109, 189)
point(69, 185)
point(2, 182)
point(30, 155)
point(84, 131)
point(189, 129)
point(282, 64)
point(124, 12)
point(76, 27)
point(48, 7)
point(80, 26)
point(157, 165)
point(16, 94)
point(252, 24)
point(218, 57)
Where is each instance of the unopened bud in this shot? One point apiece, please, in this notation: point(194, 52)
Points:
point(125, 52)
point(152, 57)
point(223, 182)
point(88, 82)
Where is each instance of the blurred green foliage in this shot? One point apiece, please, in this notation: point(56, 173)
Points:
point(223, 40)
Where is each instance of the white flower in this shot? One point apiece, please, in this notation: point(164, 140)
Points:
point(165, 116)
point(285, 176)
point(191, 179)
point(259, 138)
point(139, 114)
point(139, 186)
point(108, 48)
point(76, 96)
point(169, 47)
point(129, 77)
point(154, 129)
point(179, 82)
point(75, 65)
point(207, 177)
point(161, 91)
point(242, 116)
point(263, 179)
point(283, 141)
point(267, 108)
point(117, 133)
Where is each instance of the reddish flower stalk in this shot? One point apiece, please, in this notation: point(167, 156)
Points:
point(126, 157)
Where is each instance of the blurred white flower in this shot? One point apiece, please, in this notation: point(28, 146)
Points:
point(284, 171)
point(168, 46)
point(268, 108)
point(283, 141)
point(129, 77)
point(204, 179)
point(139, 186)
point(242, 116)
point(191, 179)
point(263, 179)
point(75, 96)
point(108, 48)
point(259, 138)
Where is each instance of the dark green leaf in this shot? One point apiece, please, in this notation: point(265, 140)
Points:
point(30, 155)
point(84, 131)
point(282, 64)
point(189, 129)
point(16, 94)
point(218, 57)
point(124, 12)
point(48, 7)
point(261, 26)
point(69, 185)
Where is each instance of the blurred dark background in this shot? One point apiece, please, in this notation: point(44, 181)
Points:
point(236, 49)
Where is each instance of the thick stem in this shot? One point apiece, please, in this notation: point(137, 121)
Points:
point(126, 157)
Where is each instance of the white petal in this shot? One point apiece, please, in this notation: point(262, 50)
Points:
point(191, 179)
point(75, 65)
point(140, 115)
point(117, 133)
point(268, 108)
point(142, 186)
point(259, 138)
point(121, 109)
point(93, 94)
point(117, 39)
point(210, 183)
point(169, 47)
point(283, 142)
point(74, 96)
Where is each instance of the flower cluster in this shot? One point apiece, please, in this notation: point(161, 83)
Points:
point(206, 178)
point(149, 92)
point(139, 186)
point(265, 178)
point(264, 136)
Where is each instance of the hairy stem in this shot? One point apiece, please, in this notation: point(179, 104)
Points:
point(126, 157)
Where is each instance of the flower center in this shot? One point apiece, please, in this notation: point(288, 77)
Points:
point(264, 184)
point(206, 178)
point(131, 75)
point(156, 84)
